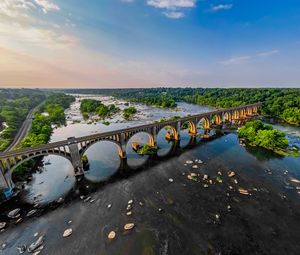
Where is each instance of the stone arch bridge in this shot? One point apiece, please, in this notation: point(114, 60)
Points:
point(73, 148)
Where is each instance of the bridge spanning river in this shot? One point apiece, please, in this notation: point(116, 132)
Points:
point(74, 148)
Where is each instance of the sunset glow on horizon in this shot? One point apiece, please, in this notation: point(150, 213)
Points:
point(149, 43)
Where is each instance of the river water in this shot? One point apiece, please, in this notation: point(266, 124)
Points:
point(56, 178)
point(178, 215)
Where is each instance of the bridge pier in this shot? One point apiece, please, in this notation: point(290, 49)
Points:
point(75, 156)
point(4, 183)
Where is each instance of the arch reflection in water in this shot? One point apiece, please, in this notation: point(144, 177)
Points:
point(134, 160)
point(165, 145)
point(104, 161)
point(187, 130)
point(53, 180)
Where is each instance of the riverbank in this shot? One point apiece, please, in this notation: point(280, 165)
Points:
point(179, 215)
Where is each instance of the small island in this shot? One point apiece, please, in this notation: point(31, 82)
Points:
point(92, 106)
point(145, 149)
point(129, 112)
point(256, 133)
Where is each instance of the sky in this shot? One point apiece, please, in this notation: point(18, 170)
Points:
point(149, 43)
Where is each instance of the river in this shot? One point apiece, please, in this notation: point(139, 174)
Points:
point(172, 213)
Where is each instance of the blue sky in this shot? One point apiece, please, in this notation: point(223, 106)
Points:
point(139, 43)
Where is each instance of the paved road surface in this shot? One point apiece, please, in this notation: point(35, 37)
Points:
point(24, 129)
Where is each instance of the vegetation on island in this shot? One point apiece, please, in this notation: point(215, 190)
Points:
point(279, 103)
point(106, 111)
point(129, 112)
point(145, 149)
point(15, 104)
point(89, 105)
point(92, 106)
point(259, 134)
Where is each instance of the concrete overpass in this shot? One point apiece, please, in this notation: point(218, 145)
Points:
point(74, 148)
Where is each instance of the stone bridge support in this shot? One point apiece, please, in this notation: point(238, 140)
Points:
point(75, 156)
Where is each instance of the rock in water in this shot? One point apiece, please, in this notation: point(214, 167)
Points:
point(111, 235)
point(36, 244)
point(60, 200)
point(243, 191)
point(21, 248)
point(2, 225)
point(67, 232)
point(294, 180)
point(32, 212)
point(14, 213)
point(129, 226)
point(231, 174)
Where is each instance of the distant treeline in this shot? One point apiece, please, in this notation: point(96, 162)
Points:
point(280, 103)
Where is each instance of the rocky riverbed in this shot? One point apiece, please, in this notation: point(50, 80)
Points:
point(214, 198)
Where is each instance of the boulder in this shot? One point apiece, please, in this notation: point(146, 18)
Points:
point(111, 235)
point(2, 225)
point(14, 213)
point(36, 244)
point(67, 232)
point(129, 226)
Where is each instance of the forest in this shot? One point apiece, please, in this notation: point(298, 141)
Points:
point(51, 112)
point(15, 104)
point(278, 102)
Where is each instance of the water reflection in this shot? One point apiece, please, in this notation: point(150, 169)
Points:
point(104, 161)
point(185, 138)
point(135, 160)
point(165, 146)
point(52, 181)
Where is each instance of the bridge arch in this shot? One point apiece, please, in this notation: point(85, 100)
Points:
point(171, 128)
point(8, 174)
point(254, 109)
point(151, 141)
point(204, 123)
point(235, 115)
point(249, 111)
point(216, 119)
point(190, 125)
point(243, 113)
point(93, 142)
point(227, 117)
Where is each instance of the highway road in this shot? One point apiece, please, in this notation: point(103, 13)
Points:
point(24, 129)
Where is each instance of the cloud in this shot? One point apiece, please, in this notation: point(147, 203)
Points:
point(172, 8)
point(172, 4)
point(47, 5)
point(242, 59)
point(220, 7)
point(267, 53)
point(235, 60)
point(174, 14)
point(18, 8)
